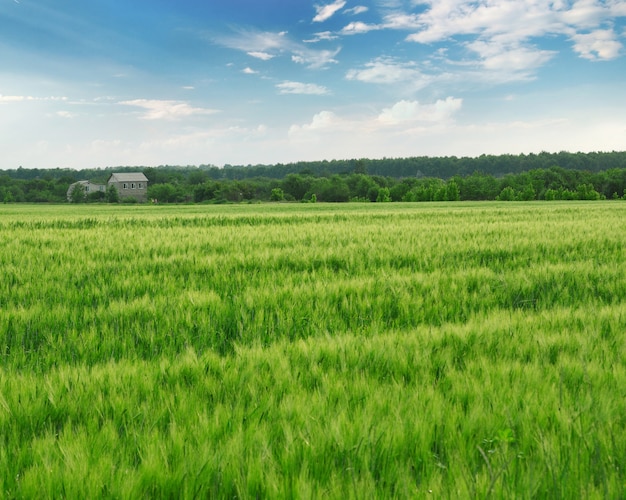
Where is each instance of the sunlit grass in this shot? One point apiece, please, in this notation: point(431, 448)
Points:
point(313, 350)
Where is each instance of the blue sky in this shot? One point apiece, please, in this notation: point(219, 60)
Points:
point(104, 83)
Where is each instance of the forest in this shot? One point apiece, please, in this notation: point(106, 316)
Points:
point(543, 176)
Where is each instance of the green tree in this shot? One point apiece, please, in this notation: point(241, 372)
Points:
point(297, 185)
point(206, 191)
point(78, 194)
point(6, 195)
point(452, 191)
point(360, 167)
point(587, 192)
point(165, 193)
point(383, 195)
point(527, 194)
point(112, 196)
point(96, 196)
point(507, 194)
point(277, 195)
point(197, 177)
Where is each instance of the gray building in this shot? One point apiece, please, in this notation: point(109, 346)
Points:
point(133, 185)
point(88, 186)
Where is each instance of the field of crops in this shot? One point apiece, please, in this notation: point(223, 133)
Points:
point(312, 350)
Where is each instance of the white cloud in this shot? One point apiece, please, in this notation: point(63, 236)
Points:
point(402, 21)
point(617, 7)
point(322, 36)
point(584, 14)
point(27, 98)
point(258, 44)
point(411, 111)
point(355, 11)
point(301, 88)
point(13, 98)
point(249, 71)
point(266, 45)
point(327, 123)
point(315, 59)
point(408, 128)
point(512, 24)
point(357, 28)
point(512, 59)
point(65, 114)
point(517, 19)
point(325, 12)
point(387, 71)
point(599, 44)
point(264, 56)
point(166, 110)
point(324, 121)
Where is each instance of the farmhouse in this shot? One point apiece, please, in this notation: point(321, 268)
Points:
point(88, 186)
point(130, 185)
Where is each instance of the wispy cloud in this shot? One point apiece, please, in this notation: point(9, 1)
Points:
point(322, 122)
point(325, 12)
point(264, 56)
point(29, 98)
point(402, 21)
point(259, 44)
point(512, 61)
point(66, 114)
point(322, 36)
point(588, 23)
point(249, 71)
point(413, 111)
point(315, 59)
point(267, 45)
point(387, 71)
point(355, 11)
point(496, 41)
point(418, 117)
point(599, 44)
point(358, 28)
point(166, 110)
point(301, 88)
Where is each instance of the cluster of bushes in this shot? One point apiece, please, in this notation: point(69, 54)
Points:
point(550, 184)
point(46, 190)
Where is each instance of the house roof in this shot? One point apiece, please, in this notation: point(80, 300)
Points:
point(128, 177)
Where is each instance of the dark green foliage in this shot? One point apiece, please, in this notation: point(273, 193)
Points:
point(543, 176)
point(277, 195)
point(112, 196)
point(78, 194)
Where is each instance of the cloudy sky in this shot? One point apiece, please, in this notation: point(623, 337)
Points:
point(148, 82)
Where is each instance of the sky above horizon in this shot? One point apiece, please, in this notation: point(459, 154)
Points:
point(87, 84)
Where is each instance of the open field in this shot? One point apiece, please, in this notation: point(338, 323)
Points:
point(307, 350)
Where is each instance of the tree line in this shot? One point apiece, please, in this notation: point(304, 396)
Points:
point(506, 177)
point(554, 183)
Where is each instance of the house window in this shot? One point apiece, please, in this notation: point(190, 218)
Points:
point(125, 186)
point(132, 186)
point(140, 185)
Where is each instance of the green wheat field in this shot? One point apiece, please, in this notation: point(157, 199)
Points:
point(444, 350)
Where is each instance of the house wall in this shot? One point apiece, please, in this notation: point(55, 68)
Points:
point(94, 188)
point(137, 190)
point(88, 187)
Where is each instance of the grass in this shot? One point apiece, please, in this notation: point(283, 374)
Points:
point(446, 350)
